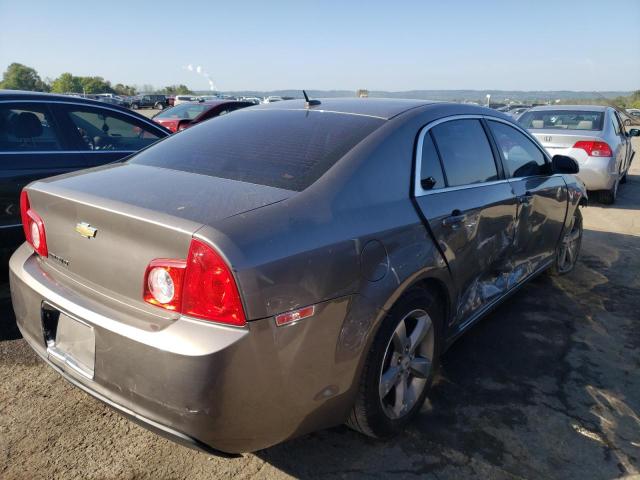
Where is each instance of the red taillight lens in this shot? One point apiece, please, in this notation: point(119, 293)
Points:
point(210, 291)
point(202, 286)
point(594, 149)
point(33, 226)
point(163, 282)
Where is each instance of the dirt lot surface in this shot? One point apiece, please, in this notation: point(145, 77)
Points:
point(548, 386)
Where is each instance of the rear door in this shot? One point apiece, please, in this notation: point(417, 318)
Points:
point(542, 198)
point(625, 143)
point(470, 209)
point(100, 135)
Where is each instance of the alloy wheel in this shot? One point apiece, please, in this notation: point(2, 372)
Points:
point(407, 364)
point(570, 247)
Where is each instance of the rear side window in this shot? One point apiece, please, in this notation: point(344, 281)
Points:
point(104, 130)
point(465, 152)
point(27, 128)
point(287, 149)
point(522, 157)
point(562, 120)
point(430, 168)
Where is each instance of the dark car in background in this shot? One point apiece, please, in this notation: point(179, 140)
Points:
point(289, 267)
point(43, 135)
point(188, 114)
point(159, 102)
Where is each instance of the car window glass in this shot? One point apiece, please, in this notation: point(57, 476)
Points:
point(616, 125)
point(562, 120)
point(465, 152)
point(522, 157)
point(184, 111)
point(430, 163)
point(287, 149)
point(25, 128)
point(102, 130)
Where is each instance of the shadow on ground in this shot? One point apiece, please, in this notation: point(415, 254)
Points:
point(545, 387)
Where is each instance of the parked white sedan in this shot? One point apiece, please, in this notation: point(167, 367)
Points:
point(593, 135)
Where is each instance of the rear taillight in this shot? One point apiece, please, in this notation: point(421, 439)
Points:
point(33, 226)
point(163, 283)
point(201, 287)
point(594, 149)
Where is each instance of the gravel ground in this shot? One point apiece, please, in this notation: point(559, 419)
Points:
point(545, 387)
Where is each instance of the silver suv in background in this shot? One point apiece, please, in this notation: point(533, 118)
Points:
point(592, 135)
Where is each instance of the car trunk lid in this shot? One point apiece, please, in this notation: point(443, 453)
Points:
point(558, 141)
point(139, 213)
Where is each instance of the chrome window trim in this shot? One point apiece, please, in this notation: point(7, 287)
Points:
point(418, 191)
point(66, 152)
point(13, 225)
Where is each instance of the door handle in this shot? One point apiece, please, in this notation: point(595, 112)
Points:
point(454, 220)
point(525, 199)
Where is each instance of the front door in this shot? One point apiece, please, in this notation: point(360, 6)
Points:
point(541, 196)
point(470, 210)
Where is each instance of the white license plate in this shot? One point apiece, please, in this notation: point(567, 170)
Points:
point(74, 346)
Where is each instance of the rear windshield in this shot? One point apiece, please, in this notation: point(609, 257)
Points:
point(187, 111)
point(287, 149)
point(562, 119)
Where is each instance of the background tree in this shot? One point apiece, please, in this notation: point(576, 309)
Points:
point(66, 83)
point(125, 90)
point(176, 90)
point(21, 77)
point(95, 85)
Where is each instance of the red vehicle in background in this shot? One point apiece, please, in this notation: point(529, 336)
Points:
point(185, 115)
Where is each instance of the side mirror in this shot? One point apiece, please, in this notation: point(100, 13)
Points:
point(428, 183)
point(183, 124)
point(564, 164)
point(634, 132)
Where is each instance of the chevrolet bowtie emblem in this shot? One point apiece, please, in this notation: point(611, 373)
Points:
point(86, 230)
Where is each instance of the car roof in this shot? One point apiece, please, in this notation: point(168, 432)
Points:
point(589, 108)
point(384, 108)
point(35, 96)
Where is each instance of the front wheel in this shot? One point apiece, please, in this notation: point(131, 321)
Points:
point(134, 106)
point(159, 106)
point(569, 248)
point(400, 366)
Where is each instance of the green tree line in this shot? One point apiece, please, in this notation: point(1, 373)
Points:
point(22, 77)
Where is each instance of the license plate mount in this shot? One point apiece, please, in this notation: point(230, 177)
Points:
point(70, 341)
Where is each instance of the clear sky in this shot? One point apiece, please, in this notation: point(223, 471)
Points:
point(379, 45)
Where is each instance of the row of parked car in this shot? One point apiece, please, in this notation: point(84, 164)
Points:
point(284, 267)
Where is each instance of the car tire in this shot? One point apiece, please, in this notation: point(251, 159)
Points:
point(568, 251)
point(608, 197)
point(134, 106)
point(381, 415)
point(159, 106)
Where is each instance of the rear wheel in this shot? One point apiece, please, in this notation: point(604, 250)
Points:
point(159, 106)
point(569, 248)
point(134, 106)
point(400, 366)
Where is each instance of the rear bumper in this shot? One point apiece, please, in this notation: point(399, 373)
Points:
point(598, 173)
point(213, 387)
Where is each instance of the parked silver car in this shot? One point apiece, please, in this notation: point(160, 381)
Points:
point(592, 135)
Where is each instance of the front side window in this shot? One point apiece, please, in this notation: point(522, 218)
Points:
point(104, 130)
point(27, 128)
point(522, 157)
point(465, 152)
point(431, 176)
